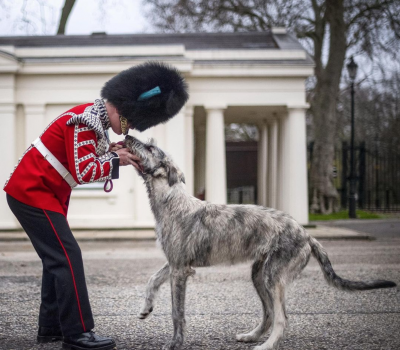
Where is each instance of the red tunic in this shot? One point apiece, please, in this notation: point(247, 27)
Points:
point(81, 146)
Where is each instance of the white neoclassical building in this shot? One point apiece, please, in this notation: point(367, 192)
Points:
point(254, 78)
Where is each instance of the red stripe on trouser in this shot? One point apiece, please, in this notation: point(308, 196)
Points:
point(72, 271)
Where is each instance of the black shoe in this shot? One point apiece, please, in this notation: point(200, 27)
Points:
point(88, 340)
point(47, 335)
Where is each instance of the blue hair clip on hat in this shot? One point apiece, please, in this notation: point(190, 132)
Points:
point(153, 92)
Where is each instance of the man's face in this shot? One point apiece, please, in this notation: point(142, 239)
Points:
point(116, 123)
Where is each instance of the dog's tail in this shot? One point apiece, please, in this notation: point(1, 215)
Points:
point(333, 279)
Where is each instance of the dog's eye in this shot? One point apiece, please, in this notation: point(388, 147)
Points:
point(151, 149)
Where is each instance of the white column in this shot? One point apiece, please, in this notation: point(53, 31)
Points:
point(295, 187)
point(8, 135)
point(273, 164)
point(34, 122)
point(298, 165)
point(215, 157)
point(282, 159)
point(189, 147)
point(263, 161)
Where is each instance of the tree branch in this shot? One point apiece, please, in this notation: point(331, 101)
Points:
point(66, 11)
point(379, 5)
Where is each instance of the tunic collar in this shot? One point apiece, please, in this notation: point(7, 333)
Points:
point(100, 107)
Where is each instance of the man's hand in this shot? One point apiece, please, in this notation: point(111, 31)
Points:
point(127, 158)
point(115, 146)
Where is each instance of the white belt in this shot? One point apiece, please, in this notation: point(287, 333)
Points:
point(66, 175)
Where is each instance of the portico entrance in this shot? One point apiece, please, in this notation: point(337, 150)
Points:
point(281, 163)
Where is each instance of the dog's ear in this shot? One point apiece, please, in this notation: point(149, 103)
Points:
point(172, 175)
point(182, 177)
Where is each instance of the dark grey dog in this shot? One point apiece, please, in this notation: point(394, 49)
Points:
point(196, 233)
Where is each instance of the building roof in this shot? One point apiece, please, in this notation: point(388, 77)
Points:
point(191, 41)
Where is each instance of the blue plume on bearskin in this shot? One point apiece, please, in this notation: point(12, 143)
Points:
point(147, 94)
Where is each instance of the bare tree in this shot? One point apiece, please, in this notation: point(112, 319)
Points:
point(34, 17)
point(68, 6)
point(43, 17)
point(377, 115)
point(66, 11)
point(329, 29)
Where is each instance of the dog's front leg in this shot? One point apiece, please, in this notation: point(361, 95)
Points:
point(152, 288)
point(178, 291)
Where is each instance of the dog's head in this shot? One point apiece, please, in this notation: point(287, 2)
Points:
point(156, 165)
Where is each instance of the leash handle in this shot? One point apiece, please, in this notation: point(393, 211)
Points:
point(108, 188)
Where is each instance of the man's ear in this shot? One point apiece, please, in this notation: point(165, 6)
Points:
point(172, 175)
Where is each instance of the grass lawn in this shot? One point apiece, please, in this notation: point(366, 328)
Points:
point(344, 214)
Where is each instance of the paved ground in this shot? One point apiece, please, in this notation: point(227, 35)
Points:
point(220, 302)
point(389, 228)
point(322, 230)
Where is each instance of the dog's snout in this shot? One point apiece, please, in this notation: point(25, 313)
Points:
point(132, 141)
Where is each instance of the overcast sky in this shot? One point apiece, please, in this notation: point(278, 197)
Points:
point(41, 17)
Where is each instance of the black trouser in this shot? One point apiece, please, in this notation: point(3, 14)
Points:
point(65, 298)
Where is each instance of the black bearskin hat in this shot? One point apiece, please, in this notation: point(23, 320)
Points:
point(147, 94)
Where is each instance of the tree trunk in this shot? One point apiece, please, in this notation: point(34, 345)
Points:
point(66, 11)
point(323, 107)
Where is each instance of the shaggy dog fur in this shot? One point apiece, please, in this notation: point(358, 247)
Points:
point(196, 233)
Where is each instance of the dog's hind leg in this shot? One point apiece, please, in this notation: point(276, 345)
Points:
point(282, 266)
point(178, 293)
point(153, 285)
point(259, 284)
point(279, 321)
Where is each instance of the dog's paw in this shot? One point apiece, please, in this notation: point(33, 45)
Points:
point(264, 347)
point(145, 313)
point(172, 346)
point(247, 338)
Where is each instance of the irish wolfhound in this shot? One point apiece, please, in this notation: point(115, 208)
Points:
point(196, 233)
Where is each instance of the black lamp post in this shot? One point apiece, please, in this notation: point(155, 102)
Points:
point(352, 69)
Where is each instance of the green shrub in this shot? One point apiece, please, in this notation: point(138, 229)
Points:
point(344, 214)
